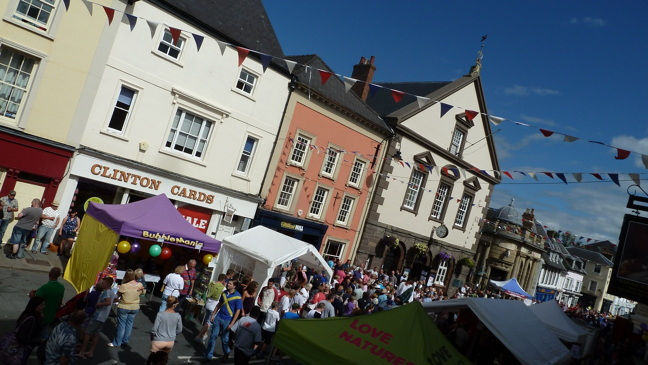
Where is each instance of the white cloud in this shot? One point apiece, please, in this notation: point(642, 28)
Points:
point(520, 90)
point(589, 21)
point(632, 144)
point(538, 120)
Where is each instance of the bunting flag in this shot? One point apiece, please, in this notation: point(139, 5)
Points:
point(635, 178)
point(175, 35)
point(561, 176)
point(67, 4)
point(348, 83)
point(132, 20)
point(110, 13)
point(533, 175)
point(445, 108)
point(199, 41)
point(548, 174)
point(222, 46)
point(408, 165)
point(324, 75)
point(372, 90)
point(265, 61)
point(578, 176)
point(508, 174)
point(397, 95)
point(242, 54)
point(546, 133)
point(152, 27)
point(495, 120)
point(622, 154)
point(88, 6)
point(471, 114)
point(598, 176)
point(569, 138)
point(615, 178)
point(522, 124)
point(421, 101)
point(597, 142)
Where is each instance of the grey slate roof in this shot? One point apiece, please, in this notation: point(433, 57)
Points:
point(240, 22)
point(590, 256)
point(334, 90)
point(383, 102)
point(548, 262)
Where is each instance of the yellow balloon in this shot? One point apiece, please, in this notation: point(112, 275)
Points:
point(207, 259)
point(123, 247)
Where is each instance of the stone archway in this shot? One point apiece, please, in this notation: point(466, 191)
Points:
point(393, 258)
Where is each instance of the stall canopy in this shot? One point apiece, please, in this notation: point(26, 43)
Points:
point(151, 219)
point(261, 249)
point(511, 287)
point(512, 322)
point(550, 314)
point(379, 338)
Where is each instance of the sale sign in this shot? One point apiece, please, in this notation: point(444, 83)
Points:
point(197, 216)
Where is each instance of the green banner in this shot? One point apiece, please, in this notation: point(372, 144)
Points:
point(399, 336)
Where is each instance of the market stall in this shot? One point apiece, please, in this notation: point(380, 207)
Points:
point(154, 219)
point(514, 325)
point(511, 287)
point(379, 338)
point(259, 250)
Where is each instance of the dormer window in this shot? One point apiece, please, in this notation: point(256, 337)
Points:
point(459, 134)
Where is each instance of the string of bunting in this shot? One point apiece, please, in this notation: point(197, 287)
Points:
point(397, 95)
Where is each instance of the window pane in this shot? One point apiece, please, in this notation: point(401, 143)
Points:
point(15, 72)
point(413, 189)
point(286, 194)
point(439, 201)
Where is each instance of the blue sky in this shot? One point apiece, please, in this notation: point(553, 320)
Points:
point(568, 66)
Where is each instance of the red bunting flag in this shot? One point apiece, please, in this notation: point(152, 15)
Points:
point(507, 174)
point(397, 95)
point(421, 167)
point(175, 34)
point(621, 154)
point(598, 176)
point(242, 54)
point(324, 75)
point(548, 174)
point(546, 133)
point(401, 162)
point(110, 13)
point(470, 114)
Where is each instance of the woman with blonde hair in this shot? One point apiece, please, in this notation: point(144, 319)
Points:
point(167, 326)
point(129, 305)
point(173, 284)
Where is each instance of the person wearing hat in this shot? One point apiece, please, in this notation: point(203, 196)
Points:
point(9, 206)
point(50, 219)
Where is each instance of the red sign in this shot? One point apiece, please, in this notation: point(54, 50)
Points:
point(198, 217)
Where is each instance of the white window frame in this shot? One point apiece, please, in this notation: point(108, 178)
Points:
point(331, 162)
point(287, 193)
point(441, 200)
point(301, 145)
point(129, 112)
point(341, 245)
point(247, 154)
point(24, 21)
point(319, 201)
point(175, 134)
point(464, 210)
point(346, 210)
point(456, 143)
point(179, 46)
point(442, 271)
point(18, 116)
point(242, 84)
point(414, 189)
point(356, 174)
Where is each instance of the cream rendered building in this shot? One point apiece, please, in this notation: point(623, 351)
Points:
point(168, 118)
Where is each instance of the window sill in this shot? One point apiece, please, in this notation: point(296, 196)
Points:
point(459, 228)
point(410, 210)
point(241, 176)
point(296, 165)
point(30, 28)
point(114, 135)
point(167, 57)
point(340, 225)
point(438, 220)
point(243, 93)
point(281, 209)
point(181, 157)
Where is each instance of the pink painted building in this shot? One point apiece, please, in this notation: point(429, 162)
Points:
point(323, 170)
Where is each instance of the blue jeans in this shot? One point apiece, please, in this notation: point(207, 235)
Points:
point(19, 237)
point(219, 327)
point(4, 223)
point(163, 303)
point(125, 318)
point(44, 237)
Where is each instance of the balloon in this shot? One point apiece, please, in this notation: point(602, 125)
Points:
point(166, 253)
point(123, 247)
point(135, 247)
point(155, 250)
point(207, 259)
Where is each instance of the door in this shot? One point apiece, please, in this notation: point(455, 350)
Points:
point(25, 193)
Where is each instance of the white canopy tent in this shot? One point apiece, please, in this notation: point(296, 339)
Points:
point(528, 339)
point(550, 314)
point(260, 250)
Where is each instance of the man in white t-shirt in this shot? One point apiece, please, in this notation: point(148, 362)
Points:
point(49, 221)
point(173, 284)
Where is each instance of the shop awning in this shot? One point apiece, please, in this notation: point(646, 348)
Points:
point(152, 219)
point(511, 287)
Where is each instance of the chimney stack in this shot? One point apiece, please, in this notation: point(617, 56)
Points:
point(363, 71)
point(528, 218)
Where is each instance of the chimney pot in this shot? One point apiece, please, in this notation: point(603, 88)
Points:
point(363, 72)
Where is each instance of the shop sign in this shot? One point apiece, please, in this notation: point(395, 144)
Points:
point(289, 225)
point(198, 217)
point(172, 239)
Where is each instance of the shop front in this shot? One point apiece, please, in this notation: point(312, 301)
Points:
point(545, 294)
point(301, 229)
